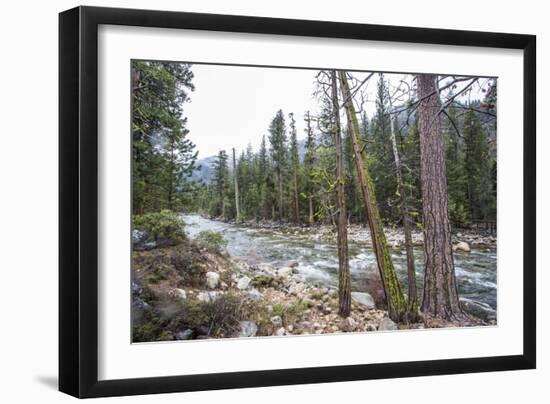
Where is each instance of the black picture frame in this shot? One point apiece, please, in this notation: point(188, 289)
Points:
point(78, 201)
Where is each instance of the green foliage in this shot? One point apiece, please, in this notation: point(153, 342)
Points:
point(211, 240)
point(163, 157)
point(164, 226)
point(220, 317)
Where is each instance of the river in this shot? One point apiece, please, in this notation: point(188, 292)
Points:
point(476, 271)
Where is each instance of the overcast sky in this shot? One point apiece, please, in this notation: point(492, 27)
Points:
point(232, 106)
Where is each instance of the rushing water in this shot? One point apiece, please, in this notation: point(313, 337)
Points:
point(476, 271)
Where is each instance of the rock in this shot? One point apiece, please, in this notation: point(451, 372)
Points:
point(277, 321)
point(284, 272)
point(348, 324)
point(296, 288)
point(254, 295)
point(290, 328)
point(180, 293)
point(212, 279)
point(363, 298)
point(209, 296)
point(140, 241)
point(370, 327)
point(292, 264)
point(280, 332)
point(243, 283)
point(480, 310)
point(248, 329)
point(184, 335)
point(387, 325)
point(461, 246)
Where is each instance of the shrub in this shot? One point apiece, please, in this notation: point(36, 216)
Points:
point(189, 265)
point(211, 240)
point(216, 318)
point(164, 227)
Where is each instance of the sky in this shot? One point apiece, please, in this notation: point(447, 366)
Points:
point(232, 106)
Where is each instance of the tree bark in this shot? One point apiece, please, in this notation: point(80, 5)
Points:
point(344, 281)
point(236, 182)
point(397, 307)
point(440, 298)
point(411, 270)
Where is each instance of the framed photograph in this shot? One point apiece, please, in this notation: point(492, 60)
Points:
point(251, 201)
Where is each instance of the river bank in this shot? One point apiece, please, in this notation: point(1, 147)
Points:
point(193, 291)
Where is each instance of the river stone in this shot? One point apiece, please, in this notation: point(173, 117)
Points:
point(184, 335)
point(209, 296)
point(212, 279)
point(248, 329)
point(284, 272)
point(180, 293)
point(254, 295)
point(363, 298)
point(478, 309)
point(292, 264)
point(280, 332)
point(243, 282)
point(387, 325)
point(461, 246)
point(296, 288)
point(348, 324)
point(277, 321)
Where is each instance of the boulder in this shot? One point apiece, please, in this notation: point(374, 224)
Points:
point(277, 321)
point(180, 293)
point(140, 240)
point(254, 295)
point(209, 296)
point(292, 264)
point(478, 309)
point(387, 325)
point(363, 298)
point(461, 246)
point(212, 279)
point(284, 272)
point(243, 283)
point(248, 329)
point(184, 335)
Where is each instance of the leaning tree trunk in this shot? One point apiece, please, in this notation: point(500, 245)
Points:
point(411, 270)
point(236, 182)
point(344, 281)
point(397, 307)
point(440, 298)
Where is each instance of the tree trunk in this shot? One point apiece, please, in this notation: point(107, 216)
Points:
point(280, 179)
point(310, 210)
point(440, 299)
point(411, 270)
point(296, 199)
point(397, 307)
point(238, 212)
point(344, 281)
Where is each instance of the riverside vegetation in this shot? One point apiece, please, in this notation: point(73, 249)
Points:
point(399, 211)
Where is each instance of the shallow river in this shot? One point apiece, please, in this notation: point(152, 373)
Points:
point(476, 271)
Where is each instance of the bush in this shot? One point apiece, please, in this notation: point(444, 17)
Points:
point(217, 318)
point(164, 227)
point(211, 240)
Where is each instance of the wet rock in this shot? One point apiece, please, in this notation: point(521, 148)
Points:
point(387, 325)
point(292, 264)
point(277, 321)
point(363, 298)
point(248, 329)
point(243, 283)
point(478, 309)
point(212, 279)
point(184, 335)
point(461, 246)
